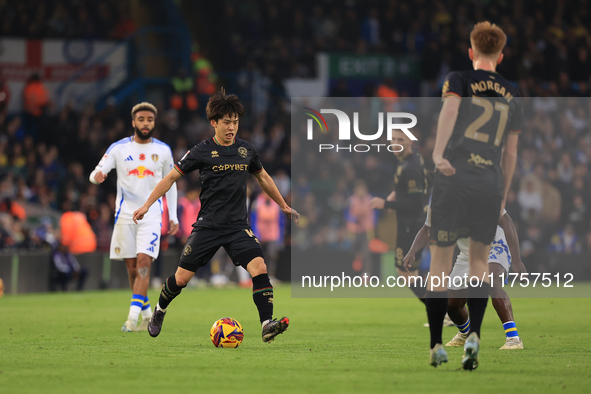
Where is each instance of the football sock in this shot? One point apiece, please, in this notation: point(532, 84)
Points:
point(464, 328)
point(146, 310)
point(510, 330)
point(436, 303)
point(137, 301)
point(419, 291)
point(170, 290)
point(477, 300)
point(262, 295)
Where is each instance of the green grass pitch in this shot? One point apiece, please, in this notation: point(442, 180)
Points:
point(71, 343)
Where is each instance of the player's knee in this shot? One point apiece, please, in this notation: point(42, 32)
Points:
point(182, 279)
point(257, 267)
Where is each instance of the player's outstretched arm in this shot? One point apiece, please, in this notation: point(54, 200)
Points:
point(161, 188)
point(508, 227)
point(421, 240)
point(269, 187)
point(445, 127)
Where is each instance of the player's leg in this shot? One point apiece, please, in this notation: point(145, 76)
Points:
point(436, 299)
point(502, 304)
point(123, 247)
point(137, 301)
point(131, 265)
point(458, 313)
point(478, 294)
point(199, 249)
point(456, 304)
point(262, 295)
point(477, 300)
point(245, 250)
point(147, 249)
point(482, 210)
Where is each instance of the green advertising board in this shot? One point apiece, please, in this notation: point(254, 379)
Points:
point(372, 66)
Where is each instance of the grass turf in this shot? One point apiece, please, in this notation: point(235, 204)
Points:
point(71, 343)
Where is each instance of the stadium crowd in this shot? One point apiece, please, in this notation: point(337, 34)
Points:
point(44, 163)
point(550, 44)
point(36, 19)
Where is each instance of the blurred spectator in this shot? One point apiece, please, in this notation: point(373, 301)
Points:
point(65, 269)
point(76, 232)
point(103, 228)
point(530, 202)
point(183, 98)
point(268, 223)
point(35, 96)
point(360, 222)
point(578, 216)
point(551, 203)
point(35, 101)
point(565, 241)
point(4, 95)
point(188, 209)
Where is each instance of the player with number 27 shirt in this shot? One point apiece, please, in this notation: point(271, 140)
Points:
point(475, 154)
point(224, 163)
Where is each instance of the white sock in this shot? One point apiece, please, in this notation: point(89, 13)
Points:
point(134, 313)
point(147, 313)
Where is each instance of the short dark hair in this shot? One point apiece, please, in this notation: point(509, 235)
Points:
point(221, 104)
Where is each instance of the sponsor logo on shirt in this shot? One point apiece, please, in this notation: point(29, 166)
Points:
point(214, 153)
point(230, 167)
point(141, 172)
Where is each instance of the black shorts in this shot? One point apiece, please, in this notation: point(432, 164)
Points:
point(460, 212)
point(241, 245)
point(406, 236)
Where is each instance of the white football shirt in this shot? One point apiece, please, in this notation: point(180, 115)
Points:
point(139, 169)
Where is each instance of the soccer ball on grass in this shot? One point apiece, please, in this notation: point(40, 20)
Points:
point(226, 332)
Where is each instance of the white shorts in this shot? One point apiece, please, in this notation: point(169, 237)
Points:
point(499, 254)
point(130, 239)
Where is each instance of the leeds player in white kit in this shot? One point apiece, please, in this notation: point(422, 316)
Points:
point(499, 261)
point(141, 162)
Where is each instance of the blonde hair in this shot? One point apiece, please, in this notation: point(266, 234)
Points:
point(487, 39)
point(143, 107)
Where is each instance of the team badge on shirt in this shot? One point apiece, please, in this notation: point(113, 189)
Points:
point(117, 250)
point(155, 157)
point(242, 152)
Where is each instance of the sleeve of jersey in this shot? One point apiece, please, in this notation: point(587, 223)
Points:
point(106, 164)
point(516, 122)
point(191, 161)
point(255, 164)
point(452, 86)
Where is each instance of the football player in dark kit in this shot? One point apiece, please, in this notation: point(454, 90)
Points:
point(224, 163)
point(409, 201)
point(475, 154)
